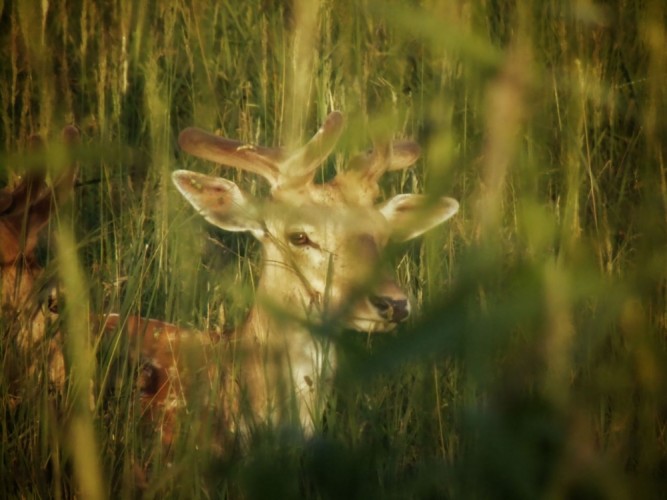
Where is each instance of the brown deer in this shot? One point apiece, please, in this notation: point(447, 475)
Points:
point(28, 317)
point(24, 211)
point(322, 247)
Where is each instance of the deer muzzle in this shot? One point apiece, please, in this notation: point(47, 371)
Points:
point(391, 309)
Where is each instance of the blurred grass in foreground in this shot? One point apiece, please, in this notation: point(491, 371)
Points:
point(537, 365)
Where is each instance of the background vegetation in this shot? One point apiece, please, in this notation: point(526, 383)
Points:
point(537, 364)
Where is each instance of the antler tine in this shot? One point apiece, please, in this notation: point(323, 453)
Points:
point(259, 160)
point(377, 161)
point(365, 169)
point(404, 155)
point(300, 166)
point(385, 157)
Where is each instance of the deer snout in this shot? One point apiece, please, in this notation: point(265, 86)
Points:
point(391, 309)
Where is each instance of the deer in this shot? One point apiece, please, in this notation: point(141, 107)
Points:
point(322, 246)
point(29, 316)
point(25, 209)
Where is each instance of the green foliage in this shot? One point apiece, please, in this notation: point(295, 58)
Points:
point(536, 366)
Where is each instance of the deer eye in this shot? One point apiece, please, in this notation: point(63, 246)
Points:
point(298, 238)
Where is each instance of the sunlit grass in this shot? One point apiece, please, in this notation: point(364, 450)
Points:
point(536, 364)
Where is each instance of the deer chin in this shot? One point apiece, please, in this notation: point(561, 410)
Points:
point(364, 318)
point(371, 325)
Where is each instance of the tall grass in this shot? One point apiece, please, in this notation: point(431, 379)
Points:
point(536, 364)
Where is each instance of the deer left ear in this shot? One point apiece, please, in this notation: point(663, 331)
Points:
point(220, 201)
point(411, 215)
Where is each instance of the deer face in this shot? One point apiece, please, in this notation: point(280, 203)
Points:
point(322, 242)
point(24, 211)
point(331, 251)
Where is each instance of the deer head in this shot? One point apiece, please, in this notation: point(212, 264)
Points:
point(322, 243)
point(24, 211)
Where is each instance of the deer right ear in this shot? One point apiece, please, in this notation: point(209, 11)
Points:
point(220, 201)
point(410, 215)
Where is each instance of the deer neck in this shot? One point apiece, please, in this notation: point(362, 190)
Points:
point(285, 353)
point(286, 303)
point(281, 313)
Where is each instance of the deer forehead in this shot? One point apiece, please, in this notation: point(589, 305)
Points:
point(325, 209)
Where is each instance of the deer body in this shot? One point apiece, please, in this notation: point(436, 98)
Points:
point(322, 245)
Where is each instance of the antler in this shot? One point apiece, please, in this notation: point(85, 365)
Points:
point(291, 171)
point(257, 159)
point(299, 167)
point(385, 157)
point(360, 181)
point(277, 167)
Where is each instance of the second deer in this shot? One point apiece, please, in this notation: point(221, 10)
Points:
point(25, 318)
point(30, 327)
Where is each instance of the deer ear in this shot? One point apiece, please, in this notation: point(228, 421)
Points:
point(410, 215)
point(220, 201)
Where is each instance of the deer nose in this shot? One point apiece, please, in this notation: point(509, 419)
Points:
point(394, 310)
